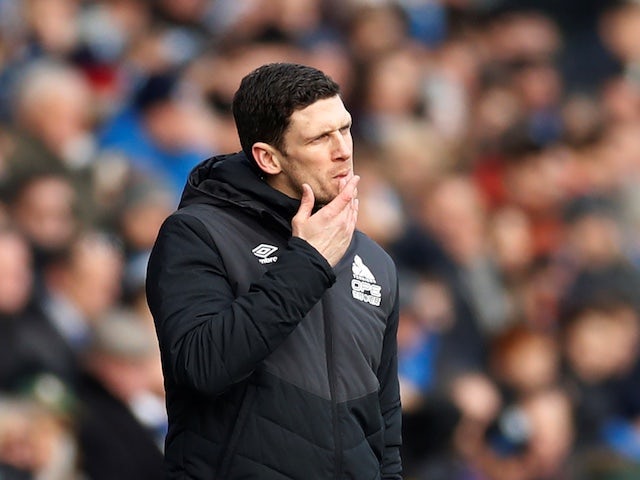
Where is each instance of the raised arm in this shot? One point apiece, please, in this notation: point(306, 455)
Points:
point(208, 338)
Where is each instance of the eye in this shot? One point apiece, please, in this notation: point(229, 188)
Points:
point(320, 139)
point(344, 130)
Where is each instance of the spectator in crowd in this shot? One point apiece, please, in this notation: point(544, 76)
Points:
point(510, 241)
point(145, 205)
point(44, 207)
point(36, 441)
point(81, 285)
point(524, 361)
point(391, 93)
point(117, 438)
point(425, 318)
point(154, 133)
point(603, 378)
point(16, 282)
point(454, 211)
point(53, 115)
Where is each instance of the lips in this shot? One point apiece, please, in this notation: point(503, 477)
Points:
point(343, 174)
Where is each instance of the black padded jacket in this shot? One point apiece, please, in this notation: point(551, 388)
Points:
point(276, 365)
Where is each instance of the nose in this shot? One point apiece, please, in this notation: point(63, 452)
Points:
point(342, 146)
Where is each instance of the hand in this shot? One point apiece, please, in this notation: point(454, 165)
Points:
point(330, 229)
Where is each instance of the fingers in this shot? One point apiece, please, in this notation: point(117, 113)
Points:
point(329, 230)
point(306, 202)
point(354, 213)
point(342, 184)
point(351, 188)
point(347, 193)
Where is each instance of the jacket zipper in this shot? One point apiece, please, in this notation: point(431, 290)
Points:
point(331, 372)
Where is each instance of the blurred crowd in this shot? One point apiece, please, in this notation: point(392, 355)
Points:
point(499, 147)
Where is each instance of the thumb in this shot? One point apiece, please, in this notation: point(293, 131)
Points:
point(306, 202)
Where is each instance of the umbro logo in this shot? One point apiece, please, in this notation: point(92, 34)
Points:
point(363, 284)
point(264, 251)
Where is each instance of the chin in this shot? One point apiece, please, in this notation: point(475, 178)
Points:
point(325, 198)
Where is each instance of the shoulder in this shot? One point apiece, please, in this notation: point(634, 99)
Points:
point(183, 220)
point(195, 216)
point(183, 232)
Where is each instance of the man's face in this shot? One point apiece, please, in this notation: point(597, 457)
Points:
point(318, 150)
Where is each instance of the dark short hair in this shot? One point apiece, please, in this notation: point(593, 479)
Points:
point(263, 104)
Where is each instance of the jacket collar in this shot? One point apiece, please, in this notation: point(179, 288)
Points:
point(232, 181)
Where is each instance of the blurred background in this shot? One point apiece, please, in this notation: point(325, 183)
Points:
point(499, 147)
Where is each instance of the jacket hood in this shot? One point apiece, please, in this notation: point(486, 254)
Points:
point(232, 181)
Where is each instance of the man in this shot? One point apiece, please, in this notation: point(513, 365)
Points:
point(153, 134)
point(114, 441)
point(276, 319)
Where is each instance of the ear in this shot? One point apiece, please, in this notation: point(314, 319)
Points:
point(267, 158)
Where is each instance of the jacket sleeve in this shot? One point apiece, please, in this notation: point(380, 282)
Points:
point(210, 339)
point(391, 465)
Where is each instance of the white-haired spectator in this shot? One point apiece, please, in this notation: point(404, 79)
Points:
point(120, 415)
point(53, 107)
